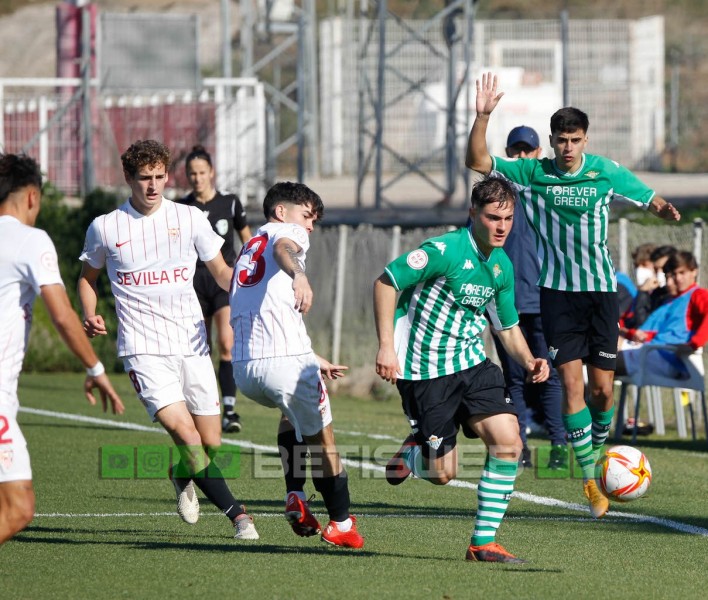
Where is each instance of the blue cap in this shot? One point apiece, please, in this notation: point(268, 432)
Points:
point(524, 134)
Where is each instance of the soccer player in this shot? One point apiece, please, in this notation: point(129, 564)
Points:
point(274, 363)
point(566, 201)
point(150, 246)
point(430, 345)
point(226, 215)
point(29, 268)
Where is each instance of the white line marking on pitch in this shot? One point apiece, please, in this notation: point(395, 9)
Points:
point(532, 498)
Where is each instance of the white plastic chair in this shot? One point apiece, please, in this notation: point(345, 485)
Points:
point(646, 377)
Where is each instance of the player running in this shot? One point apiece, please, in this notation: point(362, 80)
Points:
point(29, 268)
point(150, 246)
point(431, 347)
point(274, 363)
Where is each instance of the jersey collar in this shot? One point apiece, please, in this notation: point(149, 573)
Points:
point(480, 254)
point(568, 174)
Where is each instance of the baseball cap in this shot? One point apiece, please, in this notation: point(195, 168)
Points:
point(524, 134)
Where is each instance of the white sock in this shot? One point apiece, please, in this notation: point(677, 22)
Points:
point(229, 402)
point(344, 526)
point(300, 495)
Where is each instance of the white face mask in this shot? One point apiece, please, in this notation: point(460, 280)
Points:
point(661, 278)
point(644, 274)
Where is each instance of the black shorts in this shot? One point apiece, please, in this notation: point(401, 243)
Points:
point(581, 325)
point(437, 408)
point(211, 296)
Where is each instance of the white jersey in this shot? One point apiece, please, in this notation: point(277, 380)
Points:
point(150, 262)
point(263, 315)
point(28, 261)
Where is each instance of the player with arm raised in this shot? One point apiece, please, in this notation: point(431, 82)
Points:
point(274, 363)
point(149, 247)
point(566, 201)
point(29, 268)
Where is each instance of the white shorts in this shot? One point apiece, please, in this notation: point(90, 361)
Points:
point(14, 457)
point(291, 383)
point(655, 363)
point(163, 380)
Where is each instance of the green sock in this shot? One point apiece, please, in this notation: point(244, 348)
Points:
point(493, 495)
point(601, 422)
point(578, 427)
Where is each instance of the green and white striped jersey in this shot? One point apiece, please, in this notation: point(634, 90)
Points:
point(569, 214)
point(446, 285)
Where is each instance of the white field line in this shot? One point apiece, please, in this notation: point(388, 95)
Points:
point(532, 498)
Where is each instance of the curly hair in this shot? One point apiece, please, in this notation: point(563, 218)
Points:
point(145, 153)
point(16, 172)
point(287, 192)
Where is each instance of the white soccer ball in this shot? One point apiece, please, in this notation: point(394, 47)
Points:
point(624, 473)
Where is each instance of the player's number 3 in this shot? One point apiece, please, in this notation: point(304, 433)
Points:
point(251, 265)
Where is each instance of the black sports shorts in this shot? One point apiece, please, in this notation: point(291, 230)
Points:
point(211, 296)
point(581, 325)
point(437, 408)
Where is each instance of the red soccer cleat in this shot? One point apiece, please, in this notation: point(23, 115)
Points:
point(492, 552)
point(345, 539)
point(298, 514)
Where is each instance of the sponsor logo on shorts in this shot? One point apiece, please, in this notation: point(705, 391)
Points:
point(552, 352)
point(606, 354)
point(417, 259)
point(434, 442)
point(576, 434)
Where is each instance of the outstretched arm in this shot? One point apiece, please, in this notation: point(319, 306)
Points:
point(69, 327)
point(387, 365)
point(515, 344)
point(285, 252)
point(478, 157)
point(663, 209)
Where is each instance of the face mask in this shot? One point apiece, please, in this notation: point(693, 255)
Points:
point(661, 278)
point(643, 274)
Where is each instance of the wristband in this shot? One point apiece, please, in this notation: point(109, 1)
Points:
point(96, 370)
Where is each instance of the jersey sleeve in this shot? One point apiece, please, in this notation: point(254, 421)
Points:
point(426, 262)
point(698, 318)
point(627, 186)
point(502, 309)
point(207, 242)
point(296, 233)
point(516, 170)
point(94, 252)
point(43, 262)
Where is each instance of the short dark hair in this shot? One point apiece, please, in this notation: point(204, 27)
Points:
point(569, 119)
point(492, 189)
point(145, 153)
point(198, 152)
point(680, 259)
point(18, 171)
point(662, 252)
point(288, 192)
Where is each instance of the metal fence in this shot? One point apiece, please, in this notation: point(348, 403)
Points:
point(343, 263)
point(43, 117)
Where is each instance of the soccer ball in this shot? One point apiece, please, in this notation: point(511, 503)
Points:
point(624, 473)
